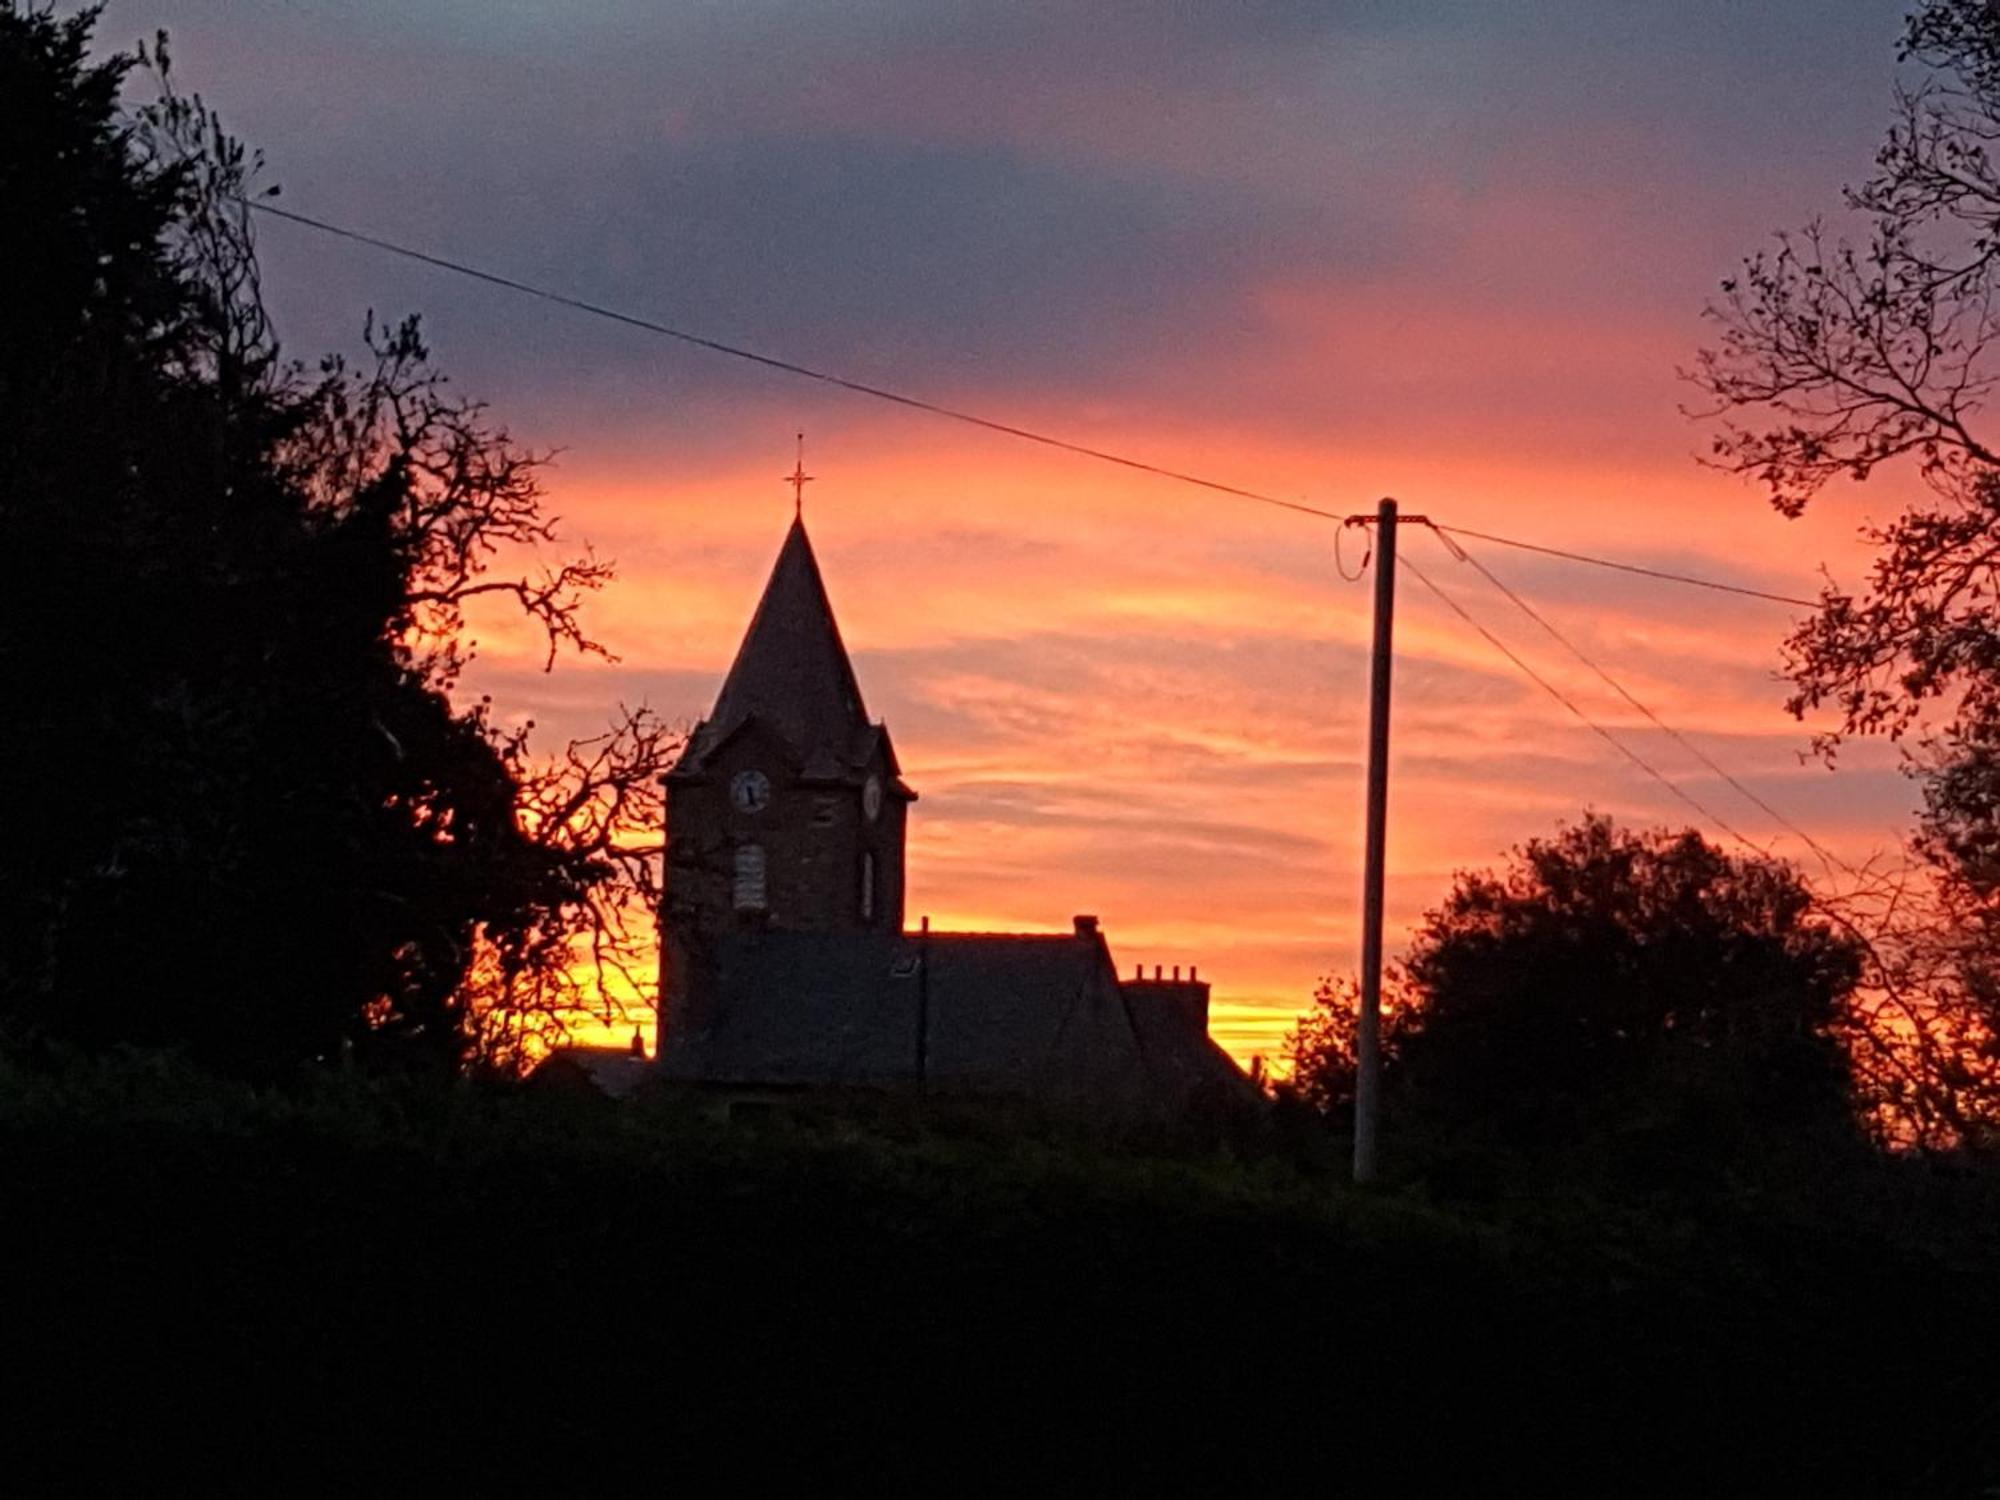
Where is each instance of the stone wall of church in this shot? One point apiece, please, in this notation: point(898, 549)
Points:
point(798, 863)
point(809, 840)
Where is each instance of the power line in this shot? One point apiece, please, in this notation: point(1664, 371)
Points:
point(956, 414)
point(1009, 429)
point(1622, 567)
point(1826, 857)
point(772, 362)
point(1564, 699)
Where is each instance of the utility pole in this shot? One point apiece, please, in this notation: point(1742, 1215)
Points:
point(1368, 1046)
point(924, 1006)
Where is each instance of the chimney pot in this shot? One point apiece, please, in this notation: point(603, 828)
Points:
point(1156, 971)
point(1086, 926)
point(1190, 973)
point(1177, 973)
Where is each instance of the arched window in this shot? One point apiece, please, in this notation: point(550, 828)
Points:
point(749, 886)
point(867, 886)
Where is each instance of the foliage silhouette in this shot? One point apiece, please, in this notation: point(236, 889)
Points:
point(1835, 357)
point(247, 817)
point(1610, 986)
point(1321, 1054)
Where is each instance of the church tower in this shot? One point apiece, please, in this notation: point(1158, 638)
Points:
point(787, 810)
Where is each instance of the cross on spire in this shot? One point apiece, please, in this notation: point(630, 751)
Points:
point(798, 479)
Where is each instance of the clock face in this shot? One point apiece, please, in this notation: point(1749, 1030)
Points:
point(871, 798)
point(750, 791)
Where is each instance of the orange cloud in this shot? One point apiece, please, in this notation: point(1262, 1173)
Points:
point(1114, 699)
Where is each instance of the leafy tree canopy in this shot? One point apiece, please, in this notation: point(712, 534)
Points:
point(1607, 980)
point(1869, 343)
point(246, 816)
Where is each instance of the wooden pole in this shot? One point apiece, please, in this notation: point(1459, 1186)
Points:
point(924, 1006)
point(1368, 1047)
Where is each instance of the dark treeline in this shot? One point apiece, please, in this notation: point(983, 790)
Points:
point(343, 1279)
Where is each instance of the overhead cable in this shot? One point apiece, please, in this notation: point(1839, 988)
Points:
point(1009, 429)
point(789, 367)
point(1567, 702)
point(956, 414)
point(1465, 555)
point(1624, 567)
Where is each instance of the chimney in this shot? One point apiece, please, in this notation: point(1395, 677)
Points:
point(1191, 975)
point(1156, 971)
point(1086, 927)
point(1177, 973)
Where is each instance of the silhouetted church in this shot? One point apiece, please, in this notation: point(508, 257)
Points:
point(784, 957)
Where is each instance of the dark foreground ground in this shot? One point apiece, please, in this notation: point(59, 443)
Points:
point(225, 1292)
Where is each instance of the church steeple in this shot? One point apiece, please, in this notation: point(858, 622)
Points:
point(788, 810)
point(792, 671)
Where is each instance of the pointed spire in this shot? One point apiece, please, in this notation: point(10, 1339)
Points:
point(792, 671)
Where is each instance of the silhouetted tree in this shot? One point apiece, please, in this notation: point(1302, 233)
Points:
point(1321, 1053)
point(1606, 982)
point(245, 815)
point(597, 809)
point(1837, 355)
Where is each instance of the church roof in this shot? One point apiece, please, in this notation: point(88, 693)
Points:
point(792, 675)
point(615, 1072)
point(1018, 1012)
point(1185, 1063)
point(1032, 1014)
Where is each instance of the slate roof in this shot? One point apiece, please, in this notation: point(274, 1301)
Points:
point(792, 675)
point(1038, 1015)
point(1186, 1066)
point(615, 1072)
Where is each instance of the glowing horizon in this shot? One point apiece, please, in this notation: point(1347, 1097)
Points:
point(1036, 797)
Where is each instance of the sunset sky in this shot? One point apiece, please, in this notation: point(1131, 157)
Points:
point(1452, 252)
